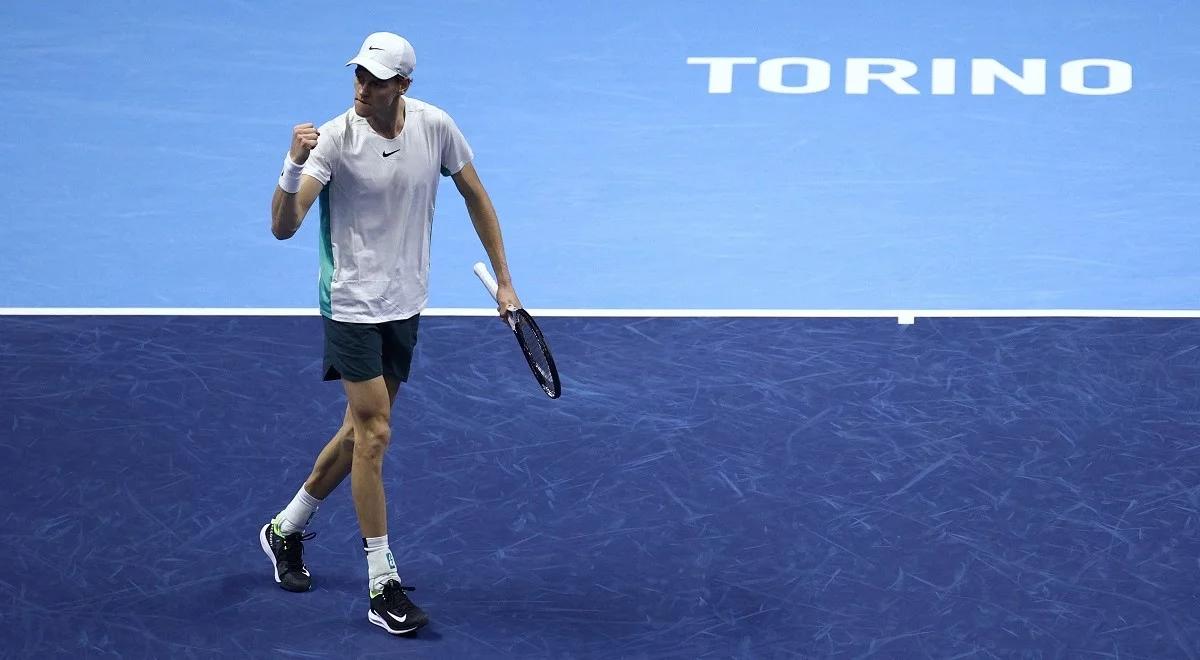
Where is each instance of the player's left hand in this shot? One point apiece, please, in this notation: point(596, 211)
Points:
point(506, 299)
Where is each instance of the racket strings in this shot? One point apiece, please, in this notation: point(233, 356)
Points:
point(535, 350)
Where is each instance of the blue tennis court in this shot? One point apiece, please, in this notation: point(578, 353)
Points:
point(704, 488)
point(751, 458)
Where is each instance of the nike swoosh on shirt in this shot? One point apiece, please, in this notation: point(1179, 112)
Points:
point(389, 153)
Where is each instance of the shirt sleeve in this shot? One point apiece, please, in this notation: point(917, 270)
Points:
point(456, 153)
point(322, 159)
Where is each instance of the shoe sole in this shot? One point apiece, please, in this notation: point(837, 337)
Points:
point(266, 548)
point(378, 620)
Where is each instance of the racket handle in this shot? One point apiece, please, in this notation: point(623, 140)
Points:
point(484, 276)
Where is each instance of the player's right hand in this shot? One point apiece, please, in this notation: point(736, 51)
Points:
point(304, 140)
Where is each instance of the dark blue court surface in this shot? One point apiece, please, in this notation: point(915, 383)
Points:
point(753, 488)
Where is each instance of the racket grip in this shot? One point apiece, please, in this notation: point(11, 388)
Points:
point(484, 276)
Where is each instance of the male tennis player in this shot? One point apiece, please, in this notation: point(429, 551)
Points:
point(375, 168)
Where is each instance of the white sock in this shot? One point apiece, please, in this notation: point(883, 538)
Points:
point(381, 566)
point(295, 516)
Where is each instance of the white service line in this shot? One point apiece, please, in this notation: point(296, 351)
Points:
point(905, 316)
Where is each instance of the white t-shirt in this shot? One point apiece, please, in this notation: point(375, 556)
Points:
point(377, 210)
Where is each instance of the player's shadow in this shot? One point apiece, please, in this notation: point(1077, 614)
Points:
point(237, 593)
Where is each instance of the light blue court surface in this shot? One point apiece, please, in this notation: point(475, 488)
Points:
point(143, 140)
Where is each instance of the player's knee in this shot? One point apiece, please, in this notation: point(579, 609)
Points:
point(372, 439)
point(371, 450)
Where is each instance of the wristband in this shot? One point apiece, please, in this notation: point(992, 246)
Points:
point(289, 180)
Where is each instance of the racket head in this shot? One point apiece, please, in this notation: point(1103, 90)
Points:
point(537, 352)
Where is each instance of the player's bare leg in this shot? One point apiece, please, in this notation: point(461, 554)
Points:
point(370, 413)
point(334, 462)
point(282, 539)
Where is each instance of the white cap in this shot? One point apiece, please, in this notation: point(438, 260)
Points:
point(386, 55)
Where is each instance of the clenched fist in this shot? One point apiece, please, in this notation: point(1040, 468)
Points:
point(304, 140)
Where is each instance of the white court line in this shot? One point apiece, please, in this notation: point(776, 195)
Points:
point(903, 316)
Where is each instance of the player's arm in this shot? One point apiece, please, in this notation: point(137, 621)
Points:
point(289, 208)
point(487, 226)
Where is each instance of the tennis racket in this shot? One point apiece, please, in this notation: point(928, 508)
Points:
point(529, 337)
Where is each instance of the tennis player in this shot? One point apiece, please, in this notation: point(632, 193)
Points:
point(376, 170)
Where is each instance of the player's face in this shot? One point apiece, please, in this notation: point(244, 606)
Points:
point(372, 95)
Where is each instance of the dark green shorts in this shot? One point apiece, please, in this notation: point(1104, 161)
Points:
point(362, 351)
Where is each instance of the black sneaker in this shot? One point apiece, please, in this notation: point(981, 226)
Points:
point(287, 557)
point(394, 612)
